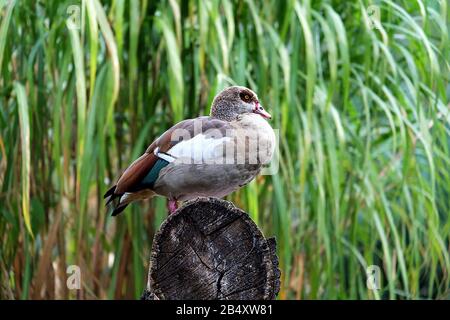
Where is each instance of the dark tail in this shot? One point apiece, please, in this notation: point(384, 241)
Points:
point(118, 208)
point(110, 192)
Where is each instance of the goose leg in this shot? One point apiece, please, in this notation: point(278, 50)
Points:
point(172, 206)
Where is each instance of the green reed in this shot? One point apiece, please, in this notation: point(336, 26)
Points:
point(362, 109)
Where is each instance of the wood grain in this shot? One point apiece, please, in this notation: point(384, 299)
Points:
point(209, 249)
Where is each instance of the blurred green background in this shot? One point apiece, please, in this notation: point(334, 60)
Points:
point(362, 108)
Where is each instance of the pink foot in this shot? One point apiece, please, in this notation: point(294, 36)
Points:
point(172, 205)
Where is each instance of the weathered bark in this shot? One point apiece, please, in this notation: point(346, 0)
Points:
point(209, 249)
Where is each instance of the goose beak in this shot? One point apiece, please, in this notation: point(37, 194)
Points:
point(260, 110)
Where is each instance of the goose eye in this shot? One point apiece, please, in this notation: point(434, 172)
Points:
point(245, 97)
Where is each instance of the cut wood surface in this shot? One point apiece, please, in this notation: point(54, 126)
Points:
point(209, 249)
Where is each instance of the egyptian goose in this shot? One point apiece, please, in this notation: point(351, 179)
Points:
point(201, 157)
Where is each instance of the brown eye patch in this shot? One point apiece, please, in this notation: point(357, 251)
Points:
point(246, 96)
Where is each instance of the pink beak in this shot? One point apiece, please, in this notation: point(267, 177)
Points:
point(260, 110)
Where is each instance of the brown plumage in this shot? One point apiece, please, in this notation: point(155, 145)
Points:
point(155, 171)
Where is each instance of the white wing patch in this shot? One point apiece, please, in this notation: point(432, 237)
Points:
point(199, 149)
point(163, 155)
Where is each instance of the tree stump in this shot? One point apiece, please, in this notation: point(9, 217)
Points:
point(209, 249)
